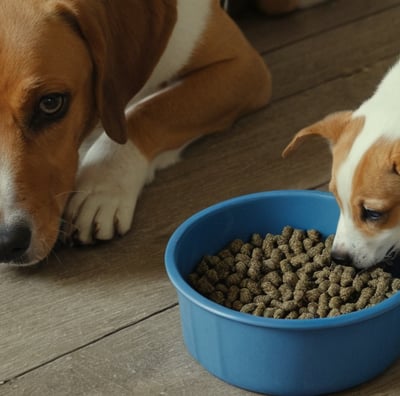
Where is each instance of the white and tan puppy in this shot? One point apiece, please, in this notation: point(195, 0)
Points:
point(151, 76)
point(365, 174)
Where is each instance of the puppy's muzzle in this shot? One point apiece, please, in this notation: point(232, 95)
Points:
point(15, 240)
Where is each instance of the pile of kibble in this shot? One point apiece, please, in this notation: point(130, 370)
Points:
point(290, 275)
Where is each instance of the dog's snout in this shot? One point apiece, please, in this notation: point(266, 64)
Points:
point(341, 257)
point(14, 241)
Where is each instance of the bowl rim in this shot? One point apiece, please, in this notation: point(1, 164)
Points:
point(199, 300)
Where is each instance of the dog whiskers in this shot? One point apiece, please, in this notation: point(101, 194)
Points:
point(45, 247)
point(54, 254)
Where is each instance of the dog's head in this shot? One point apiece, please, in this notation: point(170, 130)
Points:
point(365, 179)
point(64, 65)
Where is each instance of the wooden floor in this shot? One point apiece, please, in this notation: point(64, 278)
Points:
point(105, 320)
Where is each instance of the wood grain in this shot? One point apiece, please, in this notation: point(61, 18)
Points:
point(271, 33)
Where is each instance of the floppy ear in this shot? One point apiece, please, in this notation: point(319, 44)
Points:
point(331, 128)
point(125, 40)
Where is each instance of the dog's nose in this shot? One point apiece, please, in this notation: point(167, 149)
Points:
point(14, 241)
point(341, 257)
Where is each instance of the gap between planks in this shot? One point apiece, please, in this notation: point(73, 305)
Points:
point(90, 343)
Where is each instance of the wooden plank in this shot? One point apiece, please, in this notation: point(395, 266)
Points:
point(148, 359)
point(82, 295)
point(271, 33)
point(342, 51)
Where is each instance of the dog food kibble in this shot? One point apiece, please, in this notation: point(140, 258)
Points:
point(290, 276)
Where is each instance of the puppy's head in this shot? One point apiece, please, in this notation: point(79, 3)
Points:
point(366, 182)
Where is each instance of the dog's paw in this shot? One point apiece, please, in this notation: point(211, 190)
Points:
point(108, 184)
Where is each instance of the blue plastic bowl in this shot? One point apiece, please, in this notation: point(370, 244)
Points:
point(276, 356)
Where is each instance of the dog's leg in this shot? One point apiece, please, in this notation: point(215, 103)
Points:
point(204, 101)
point(108, 184)
point(224, 79)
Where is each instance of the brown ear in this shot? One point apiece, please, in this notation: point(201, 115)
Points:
point(331, 128)
point(125, 40)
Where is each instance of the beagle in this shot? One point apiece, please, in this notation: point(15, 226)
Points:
point(365, 174)
point(147, 76)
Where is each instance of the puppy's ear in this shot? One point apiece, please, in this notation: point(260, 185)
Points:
point(331, 128)
point(125, 40)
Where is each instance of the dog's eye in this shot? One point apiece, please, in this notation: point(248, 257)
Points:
point(53, 104)
point(50, 108)
point(371, 215)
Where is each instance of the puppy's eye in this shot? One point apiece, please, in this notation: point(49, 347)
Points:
point(371, 215)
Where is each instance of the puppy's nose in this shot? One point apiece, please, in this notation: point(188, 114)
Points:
point(14, 241)
point(341, 257)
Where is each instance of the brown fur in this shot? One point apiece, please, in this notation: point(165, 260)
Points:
point(376, 185)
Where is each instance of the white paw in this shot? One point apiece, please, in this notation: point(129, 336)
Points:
point(108, 184)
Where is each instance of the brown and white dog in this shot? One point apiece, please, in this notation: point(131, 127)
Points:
point(365, 174)
point(154, 74)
